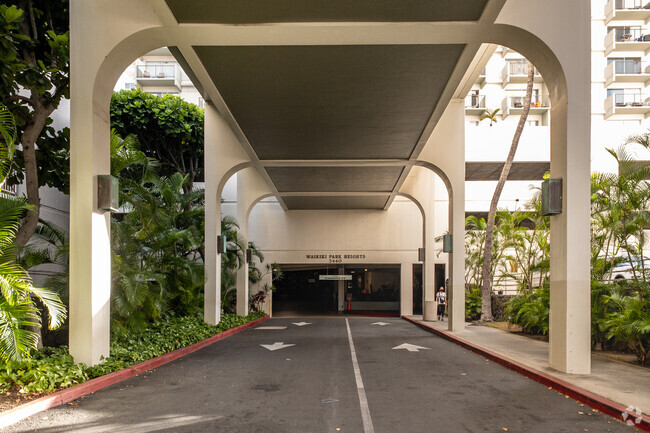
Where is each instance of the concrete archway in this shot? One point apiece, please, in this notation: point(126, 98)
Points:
point(102, 41)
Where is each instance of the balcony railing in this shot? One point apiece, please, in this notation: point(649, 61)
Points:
point(631, 4)
point(627, 71)
point(517, 72)
point(629, 67)
point(630, 100)
point(539, 104)
point(475, 101)
point(626, 10)
point(630, 35)
point(157, 74)
point(537, 101)
point(475, 104)
point(627, 103)
point(627, 39)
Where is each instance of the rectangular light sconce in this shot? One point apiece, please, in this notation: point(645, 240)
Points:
point(108, 193)
point(552, 197)
point(446, 243)
point(221, 244)
point(420, 254)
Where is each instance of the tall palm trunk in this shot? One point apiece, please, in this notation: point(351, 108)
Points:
point(486, 289)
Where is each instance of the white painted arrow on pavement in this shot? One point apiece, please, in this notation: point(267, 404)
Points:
point(276, 346)
point(380, 323)
point(410, 347)
point(302, 323)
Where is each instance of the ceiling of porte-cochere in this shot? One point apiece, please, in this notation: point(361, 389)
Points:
point(330, 103)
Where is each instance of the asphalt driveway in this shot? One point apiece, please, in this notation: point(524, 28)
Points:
point(360, 375)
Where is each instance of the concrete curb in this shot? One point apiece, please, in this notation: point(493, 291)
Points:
point(64, 396)
point(595, 401)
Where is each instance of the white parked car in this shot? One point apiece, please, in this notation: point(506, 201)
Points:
point(623, 270)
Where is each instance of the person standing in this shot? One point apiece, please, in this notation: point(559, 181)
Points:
point(441, 299)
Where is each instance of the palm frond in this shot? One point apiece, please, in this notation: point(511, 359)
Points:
point(56, 310)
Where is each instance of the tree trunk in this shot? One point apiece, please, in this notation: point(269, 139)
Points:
point(486, 289)
point(28, 142)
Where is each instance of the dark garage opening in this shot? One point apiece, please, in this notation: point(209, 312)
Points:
point(367, 288)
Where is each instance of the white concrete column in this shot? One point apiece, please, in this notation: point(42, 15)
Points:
point(266, 279)
point(445, 150)
point(222, 154)
point(570, 312)
point(250, 187)
point(90, 245)
point(340, 288)
point(429, 307)
point(212, 286)
point(566, 69)
point(420, 187)
point(242, 273)
point(96, 28)
point(406, 289)
point(456, 290)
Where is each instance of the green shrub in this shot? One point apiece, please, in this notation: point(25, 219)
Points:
point(473, 304)
point(530, 311)
point(52, 368)
point(47, 369)
point(629, 323)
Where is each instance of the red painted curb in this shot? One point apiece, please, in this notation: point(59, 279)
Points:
point(595, 401)
point(58, 398)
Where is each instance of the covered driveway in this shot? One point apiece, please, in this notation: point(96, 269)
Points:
point(332, 106)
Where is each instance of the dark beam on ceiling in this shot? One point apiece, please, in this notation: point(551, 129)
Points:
point(519, 170)
point(283, 11)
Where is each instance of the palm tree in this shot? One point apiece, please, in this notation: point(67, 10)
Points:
point(623, 200)
point(486, 290)
point(18, 314)
point(474, 250)
point(490, 115)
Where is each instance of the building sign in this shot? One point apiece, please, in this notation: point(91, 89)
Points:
point(334, 277)
point(335, 258)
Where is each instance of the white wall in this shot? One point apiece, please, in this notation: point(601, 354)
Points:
point(397, 230)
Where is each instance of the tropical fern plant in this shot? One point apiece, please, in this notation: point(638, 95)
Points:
point(531, 311)
point(18, 312)
point(7, 141)
point(629, 324)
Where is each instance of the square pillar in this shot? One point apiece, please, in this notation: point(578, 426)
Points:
point(429, 307)
point(243, 203)
point(570, 307)
point(456, 291)
point(212, 286)
point(406, 289)
point(90, 241)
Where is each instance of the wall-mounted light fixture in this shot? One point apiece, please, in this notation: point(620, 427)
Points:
point(108, 193)
point(446, 243)
point(249, 255)
point(221, 244)
point(552, 197)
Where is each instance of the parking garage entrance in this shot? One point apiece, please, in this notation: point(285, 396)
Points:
point(325, 290)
